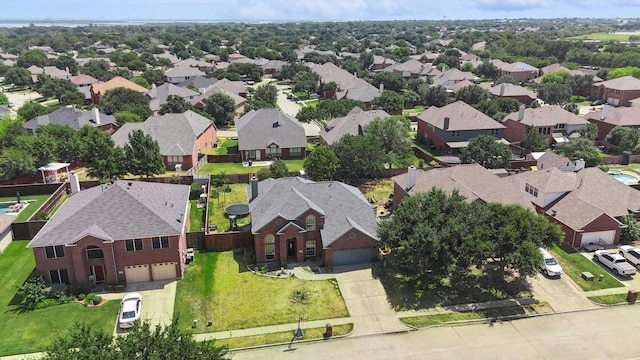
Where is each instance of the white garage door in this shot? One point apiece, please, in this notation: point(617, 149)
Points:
point(351, 257)
point(612, 101)
point(593, 237)
point(137, 273)
point(164, 271)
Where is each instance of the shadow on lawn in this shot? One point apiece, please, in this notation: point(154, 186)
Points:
point(405, 293)
point(14, 304)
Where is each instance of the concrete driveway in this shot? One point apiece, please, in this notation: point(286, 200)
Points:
point(18, 99)
point(367, 301)
point(561, 293)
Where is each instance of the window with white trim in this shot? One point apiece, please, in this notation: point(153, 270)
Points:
point(269, 247)
point(295, 151)
point(133, 244)
point(174, 158)
point(310, 223)
point(59, 276)
point(455, 133)
point(160, 242)
point(273, 151)
point(310, 248)
point(54, 252)
point(531, 190)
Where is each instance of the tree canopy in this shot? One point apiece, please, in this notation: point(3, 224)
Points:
point(124, 99)
point(321, 164)
point(486, 151)
point(142, 155)
point(360, 157)
point(393, 133)
point(389, 101)
point(278, 169)
point(222, 108)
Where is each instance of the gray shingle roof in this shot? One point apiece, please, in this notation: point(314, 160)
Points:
point(506, 89)
point(72, 117)
point(352, 124)
point(343, 206)
point(199, 82)
point(176, 134)
point(257, 130)
point(118, 211)
point(183, 71)
point(461, 117)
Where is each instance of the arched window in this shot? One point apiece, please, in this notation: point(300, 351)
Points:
point(94, 252)
point(311, 223)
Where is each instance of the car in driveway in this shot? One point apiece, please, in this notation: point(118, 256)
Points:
point(597, 102)
point(550, 266)
point(631, 254)
point(615, 262)
point(130, 308)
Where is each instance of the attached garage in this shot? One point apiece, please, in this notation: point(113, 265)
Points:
point(351, 257)
point(164, 271)
point(137, 273)
point(594, 237)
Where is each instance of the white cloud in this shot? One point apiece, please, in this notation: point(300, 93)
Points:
point(512, 5)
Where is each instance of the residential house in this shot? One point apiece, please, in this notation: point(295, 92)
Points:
point(295, 219)
point(381, 62)
point(553, 122)
point(329, 72)
point(234, 87)
point(451, 77)
point(479, 46)
point(365, 94)
point(167, 55)
point(461, 84)
point(234, 57)
point(99, 89)
point(269, 133)
point(123, 231)
point(548, 159)
point(272, 68)
point(516, 92)
point(451, 127)
point(579, 204)
point(441, 43)
point(201, 83)
point(193, 63)
point(84, 61)
point(412, 69)
point(470, 180)
point(426, 57)
point(74, 118)
point(518, 71)
point(84, 83)
point(353, 124)
point(200, 100)
point(4, 111)
point(182, 138)
point(159, 95)
point(558, 67)
point(181, 73)
point(617, 92)
point(52, 71)
point(609, 117)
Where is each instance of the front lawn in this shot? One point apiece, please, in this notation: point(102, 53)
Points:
point(444, 318)
point(219, 202)
point(281, 337)
point(217, 286)
point(609, 299)
point(574, 264)
point(27, 332)
point(237, 168)
point(35, 201)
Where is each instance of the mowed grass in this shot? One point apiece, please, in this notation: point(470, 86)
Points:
point(35, 201)
point(33, 331)
point(378, 189)
point(574, 264)
point(281, 337)
point(238, 195)
point(444, 318)
point(195, 216)
point(602, 37)
point(238, 168)
point(609, 299)
point(218, 287)
point(225, 146)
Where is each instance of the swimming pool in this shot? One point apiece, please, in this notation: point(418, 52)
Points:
point(4, 207)
point(625, 178)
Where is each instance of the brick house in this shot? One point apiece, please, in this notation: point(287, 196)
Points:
point(609, 117)
point(518, 71)
point(124, 231)
point(553, 122)
point(269, 133)
point(511, 91)
point(577, 203)
point(353, 123)
point(294, 220)
point(617, 92)
point(181, 137)
point(74, 118)
point(98, 89)
point(451, 127)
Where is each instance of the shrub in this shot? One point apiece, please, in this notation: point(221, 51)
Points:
point(89, 299)
point(79, 288)
point(32, 292)
point(81, 297)
point(196, 191)
point(97, 300)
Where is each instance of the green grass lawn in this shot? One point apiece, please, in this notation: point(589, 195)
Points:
point(218, 287)
point(418, 110)
point(281, 337)
point(26, 213)
point(32, 331)
point(217, 217)
point(443, 318)
point(609, 299)
point(573, 263)
point(602, 37)
point(195, 216)
point(309, 103)
point(225, 146)
point(237, 168)
point(378, 189)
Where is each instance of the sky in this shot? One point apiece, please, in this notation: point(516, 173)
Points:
point(313, 10)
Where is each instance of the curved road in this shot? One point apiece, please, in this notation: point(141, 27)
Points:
point(606, 333)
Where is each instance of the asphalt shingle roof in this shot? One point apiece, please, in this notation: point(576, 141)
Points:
point(461, 117)
point(72, 117)
point(258, 130)
point(547, 116)
point(352, 124)
point(117, 211)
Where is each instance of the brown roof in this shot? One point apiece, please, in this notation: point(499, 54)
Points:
point(83, 79)
point(117, 82)
point(471, 180)
point(621, 83)
point(507, 90)
point(547, 116)
point(461, 117)
point(617, 116)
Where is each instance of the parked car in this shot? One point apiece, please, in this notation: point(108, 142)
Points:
point(615, 262)
point(631, 254)
point(597, 102)
point(550, 266)
point(130, 310)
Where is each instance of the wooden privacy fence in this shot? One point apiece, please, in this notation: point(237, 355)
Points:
point(27, 230)
point(219, 241)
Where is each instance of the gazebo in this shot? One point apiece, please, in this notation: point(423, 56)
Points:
point(50, 171)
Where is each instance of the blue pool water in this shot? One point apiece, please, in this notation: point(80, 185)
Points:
point(4, 207)
point(624, 178)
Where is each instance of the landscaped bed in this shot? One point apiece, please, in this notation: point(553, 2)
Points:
point(281, 337)
point(574, 264)
point(218, 287)
point(32, 331)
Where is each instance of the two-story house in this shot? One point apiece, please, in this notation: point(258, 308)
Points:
point(609, 117)
point(617, 92)
point(553, 122)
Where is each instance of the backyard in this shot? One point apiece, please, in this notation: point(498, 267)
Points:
point(26, 332)
point(221, 199)
point(238, 168)
point(217, 286)
point(574, 264)
point(225, 146)
point(35, 201)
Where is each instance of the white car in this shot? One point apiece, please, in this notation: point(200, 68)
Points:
point(130, 310)
point(615, 262)
point(550, 266)
point(631, 254)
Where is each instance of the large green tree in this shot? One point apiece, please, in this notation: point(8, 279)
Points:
point(321, 164)
point(222, 108)
point(580, 148)
point(16, 162)
point(390, 80)
point(35, 57)
point(174, 104)
point(393, 133)
point(124, 99)
point(436, 96)
point(104, 158)
point(625, 138)
point(389, 101)
point(360, 157)
point(143, 341)
point(142, 155)
point(473, 94)
point(17, 76)
point(554, 93)
point(278, 169)
point(486, 151)
point(533, 140)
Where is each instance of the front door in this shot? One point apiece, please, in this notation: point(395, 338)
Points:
point(291, 248)
point(98, 272)
point(257, 155)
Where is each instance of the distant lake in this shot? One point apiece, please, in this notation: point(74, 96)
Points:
point(76, 23)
